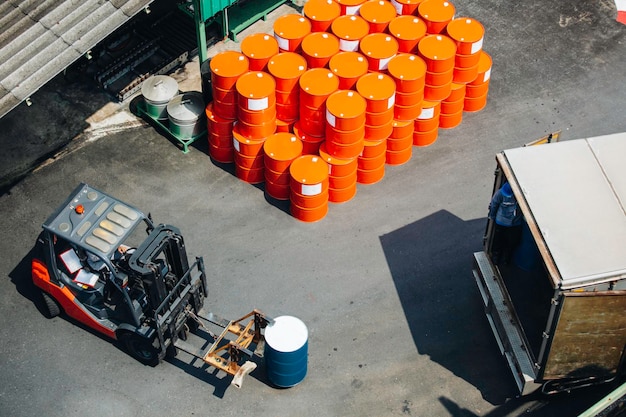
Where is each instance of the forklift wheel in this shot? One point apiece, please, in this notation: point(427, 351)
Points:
point(140, 349)
point(51, 306)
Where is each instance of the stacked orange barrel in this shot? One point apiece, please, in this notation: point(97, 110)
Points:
point(290, 30)
point(427, 124)
point(220, 132)
point(438, 52)
point(476, 93)
point(379, 91)
point(345, 124)
point(452, 107)
point(308, 188)
point(316, 85)
point(256, 122)
point(378, 49)
point(226, 68)
point(378, 14)
point(408, 30)
point(286, 68)
point(342, 176)
point(406, 7)
point(259, 48)
point(318, 48)
point(348, 67)
point(468, 35)
point(280, 150)
point(409, 73)
point(400, 143)
point(321, 14)
point(350, 30)
point(436, 14)
point(350, 7)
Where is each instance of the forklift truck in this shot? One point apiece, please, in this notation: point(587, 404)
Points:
point(108, 266)
point(558, 309)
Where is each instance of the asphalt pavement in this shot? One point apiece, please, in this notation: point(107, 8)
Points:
point(383, 282)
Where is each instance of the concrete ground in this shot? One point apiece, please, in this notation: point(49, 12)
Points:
point(383, 282)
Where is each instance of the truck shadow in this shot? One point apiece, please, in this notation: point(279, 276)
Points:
point(430, 261)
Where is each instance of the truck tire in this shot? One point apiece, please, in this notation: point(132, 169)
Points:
point(51, 307)
point(140, 348)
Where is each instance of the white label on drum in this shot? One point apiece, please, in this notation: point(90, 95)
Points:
point(255, 104)
point(282, 42)
point(397, 5)
point(427, 113)
point(348, 46)
point(236, 144)
point(353, 9)
point(330, 118)
point(383, 63)
point(313, 189)
point(477, 46)
point(487, 75)
point(391, 101)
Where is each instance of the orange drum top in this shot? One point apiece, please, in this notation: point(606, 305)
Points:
point(309, 169)
point(377, 11)
point(283, 146)
point(331, 159)
point(321, 10)
point(320, 44)
point(319, 82)
point(259, 46)
point(256, 84)
point(407, 67)
point(350, 2)
point(436, 10)
point(376, 86)
point(457, 92)
point(346, 104)
point(229, 64)
point(287, 65)
point(465, 29)
point(348, 64)
point(350, 27)
point(379, 46)
point(292, 26)
point(437, 47)
point(407, 27)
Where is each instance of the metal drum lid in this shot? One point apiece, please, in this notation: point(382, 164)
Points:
point(159, 88)
point(186, 107)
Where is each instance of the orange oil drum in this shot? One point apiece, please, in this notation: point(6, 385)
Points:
point(465, 75)
point(224, 96)
point(255, 131)
point(342, 176)
point(409, 73)
point(379, 119)
point(246, 146)
point(290, 30)
point(406, 7)
point(438, 78)
point(437, 51)
point(348, 67)
point(372, 163)
point(313, 120)
point(478, 90)
point(371, 176)
point(378, 90)
point(373, 149)
point(226, 68)
point(345, 110)
point(257, 91)
point(457, 92)
point(221, 154)
point(321, 14)
point(437, 14)
point(466, 61)
point(399, 144)
point(280, 150)
point(286, 68)
point(399, 157)
point(344, 137)
point(316, 85)
point(450, 120)
point(345, 150)
point(339, 167)
point(309, 215)
point(310, 143)
point(437, 92)
point(318, 48)
point(467, 33)
point(287, 113)
point(401, 128)
point(259, 48)
point(279, 178)
point(220, 141)
point(249, 162)
point(217, 125)
point(408, 30)
point(378, 49)
point(350, 7)
point(484, 69)
point(409, 99)
point(275, 190)
point(378, 14)
point(473, 104)
point(350, 30)
point(407, 112)
point(425, 138)
point(451, 107)
point(428, 118)
point(341, 195)
point(309, 181)
point(251, 176)
point(378, 133)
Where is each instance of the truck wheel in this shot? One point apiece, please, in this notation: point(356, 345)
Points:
point(51, 306)
point(141, 349)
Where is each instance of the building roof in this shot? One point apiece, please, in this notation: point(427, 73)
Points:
point(40, 38)
point(576, 192)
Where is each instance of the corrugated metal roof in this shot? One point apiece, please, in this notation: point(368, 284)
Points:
point(576, 191)
point(40, 39)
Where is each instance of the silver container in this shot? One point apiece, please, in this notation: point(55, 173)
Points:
point(157, 91)
point(186, 114)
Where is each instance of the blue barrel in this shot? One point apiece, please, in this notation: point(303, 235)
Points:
point(286, 351)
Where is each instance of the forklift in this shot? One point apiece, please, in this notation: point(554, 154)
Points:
point(108, 266)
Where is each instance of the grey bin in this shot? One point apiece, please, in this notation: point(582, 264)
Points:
point(186, 114)
point(157, 92)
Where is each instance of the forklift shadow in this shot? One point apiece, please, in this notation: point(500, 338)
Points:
point(430, 262)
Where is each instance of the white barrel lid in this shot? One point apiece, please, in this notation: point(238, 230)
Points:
point(186, 107)
point(159, 88)
point(286, 334)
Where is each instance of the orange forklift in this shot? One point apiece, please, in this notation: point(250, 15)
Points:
point(107, 265)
